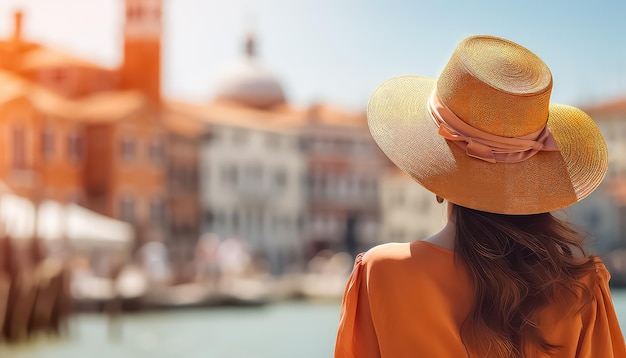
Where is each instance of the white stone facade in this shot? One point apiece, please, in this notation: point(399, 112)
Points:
point(251, 187)
point(409, 212)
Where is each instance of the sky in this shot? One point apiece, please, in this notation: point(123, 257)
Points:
point(339, 51)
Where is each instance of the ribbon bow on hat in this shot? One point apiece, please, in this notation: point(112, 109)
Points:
point(485, 146)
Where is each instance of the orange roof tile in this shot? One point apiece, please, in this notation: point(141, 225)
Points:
point(12, 47)
point(45, 57)
point(182, 124)
point(101, 106)
point(334, 116)
point(280, 119)
point(614, 107)
point(11, 86)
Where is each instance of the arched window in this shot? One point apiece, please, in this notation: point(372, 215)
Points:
point(127, 208)
point(47, 143)
point(19, 147)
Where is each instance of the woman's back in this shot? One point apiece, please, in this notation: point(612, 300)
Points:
point(485, 137)
point(408, 300)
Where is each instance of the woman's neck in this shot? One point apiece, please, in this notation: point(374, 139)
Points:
point(446, 237)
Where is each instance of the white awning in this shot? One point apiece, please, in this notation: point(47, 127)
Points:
point(83, 228)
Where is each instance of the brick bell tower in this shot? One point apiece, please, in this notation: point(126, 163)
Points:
point(141, 68)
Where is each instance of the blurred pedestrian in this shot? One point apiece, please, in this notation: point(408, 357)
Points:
point(207, 259)
point(233, 258)
point(504, 277)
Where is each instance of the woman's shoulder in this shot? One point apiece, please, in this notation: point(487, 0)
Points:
point(381, 262)
point(404, 252)
point(388, 252)
point(400, 256)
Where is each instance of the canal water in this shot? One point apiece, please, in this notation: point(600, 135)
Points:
point(291, 329)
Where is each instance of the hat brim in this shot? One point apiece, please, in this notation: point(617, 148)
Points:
point(400, 123)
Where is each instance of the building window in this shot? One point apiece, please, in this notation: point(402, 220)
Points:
point(280, 179)
point(353, 186)
point(19, 147)
point(343, 187)
point(208, 218)
point(371, 187)
point(304, 143)
point(361, 147)
point(230, 175)
point(331, 186)
point(236, 222)
point(134, 12)
point(157, 153)
point(321, 144)
point(74, 147)
point(47, 143)
point(127, 149)
point(255, 221)
point(322, 183)
point(157, 211)
point(172, 173)
point(193, 185)
point(253, 176)
point(211, 135)
point(127, 209)
point(219, 220)
point(343, 145)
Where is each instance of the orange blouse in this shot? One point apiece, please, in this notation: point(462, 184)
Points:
point(409, 300)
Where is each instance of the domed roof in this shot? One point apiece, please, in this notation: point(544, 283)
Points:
point(250, 83)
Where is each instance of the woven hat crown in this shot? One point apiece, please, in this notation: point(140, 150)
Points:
point(497, 86)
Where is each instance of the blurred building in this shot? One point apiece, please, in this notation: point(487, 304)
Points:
point(604, 213)
point(35, 161)
point(79, 132)
point(184, 136)
point(599, 216)
point(606, 219)
point(344, 168)
point(289, 181)
point(251, 165)
point(410, 212)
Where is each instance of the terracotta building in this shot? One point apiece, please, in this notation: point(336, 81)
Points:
point(43, 153)
point(77, 131)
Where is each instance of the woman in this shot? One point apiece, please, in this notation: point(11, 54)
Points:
point(504, 278)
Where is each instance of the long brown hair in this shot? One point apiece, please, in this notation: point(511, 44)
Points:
point(518, 264)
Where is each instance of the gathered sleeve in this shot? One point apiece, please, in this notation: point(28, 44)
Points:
point(600, 335)
point(356, 337)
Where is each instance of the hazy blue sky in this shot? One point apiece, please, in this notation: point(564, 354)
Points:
point(340, 50)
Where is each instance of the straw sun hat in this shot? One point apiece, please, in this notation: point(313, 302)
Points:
point(484, 135)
